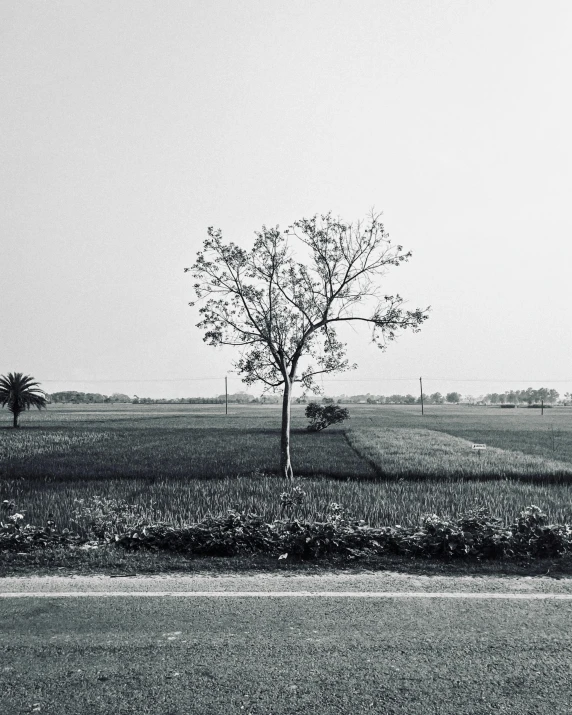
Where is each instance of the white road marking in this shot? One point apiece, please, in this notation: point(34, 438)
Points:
point(290, 594)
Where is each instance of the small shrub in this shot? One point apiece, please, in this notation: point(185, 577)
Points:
point(322, 416)
point(105, 518)
point(532, 536)
point(17, 536)
point(293, 498)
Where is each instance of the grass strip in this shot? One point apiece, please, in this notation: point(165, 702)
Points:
point(380, 502)
point(422, 454)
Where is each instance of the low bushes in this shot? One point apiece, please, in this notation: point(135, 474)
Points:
point(15, 536)
point(476, 534)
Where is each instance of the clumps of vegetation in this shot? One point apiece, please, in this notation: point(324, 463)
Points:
point(104, 518)
point(20, 537)
point(295, 497)
point(475, 534)
point(322, 416)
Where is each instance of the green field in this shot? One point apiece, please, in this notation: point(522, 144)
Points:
point(387, 465)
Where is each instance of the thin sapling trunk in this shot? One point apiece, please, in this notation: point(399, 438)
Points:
point(286, 470)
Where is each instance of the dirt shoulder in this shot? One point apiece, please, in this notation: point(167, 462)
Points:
point(367, 582)
point(116, 563)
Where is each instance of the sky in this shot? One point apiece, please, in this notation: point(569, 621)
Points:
point(128, 128)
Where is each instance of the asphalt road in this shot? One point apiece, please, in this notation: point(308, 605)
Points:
point(379, 643)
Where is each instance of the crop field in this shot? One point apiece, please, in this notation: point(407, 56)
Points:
point(387, 464)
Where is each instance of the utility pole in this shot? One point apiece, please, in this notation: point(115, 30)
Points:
point(421, 385)
point(226, 395)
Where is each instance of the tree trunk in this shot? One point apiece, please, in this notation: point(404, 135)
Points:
point(15, 420)
point(285, 465)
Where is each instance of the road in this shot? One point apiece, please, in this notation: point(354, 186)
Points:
point(369, 643)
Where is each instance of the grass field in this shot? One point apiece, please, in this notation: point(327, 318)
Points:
point(523, 430)
point(409, 452)
point(389, 466)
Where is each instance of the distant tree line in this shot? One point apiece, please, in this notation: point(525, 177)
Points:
point(530, 396)
point(89, 398)
point(86, 398)
point(435, 399)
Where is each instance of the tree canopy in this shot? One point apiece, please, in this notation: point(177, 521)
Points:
point(280, 309)
point(19, 392)
point(283, 307)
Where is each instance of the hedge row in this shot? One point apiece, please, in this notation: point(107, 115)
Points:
point(475, 534)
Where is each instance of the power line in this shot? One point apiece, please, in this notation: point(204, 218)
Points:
point(156, 379)
point(479, 379)
point(435, 379)
point(325, 379)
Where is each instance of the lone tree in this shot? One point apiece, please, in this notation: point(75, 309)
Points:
point(19, 392)
point(283, 308)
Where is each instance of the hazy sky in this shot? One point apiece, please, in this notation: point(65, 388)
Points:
point(128, 128)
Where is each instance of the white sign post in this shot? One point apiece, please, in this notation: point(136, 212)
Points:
point(479, 448)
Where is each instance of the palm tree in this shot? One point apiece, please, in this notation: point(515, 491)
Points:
point(20, 392)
